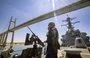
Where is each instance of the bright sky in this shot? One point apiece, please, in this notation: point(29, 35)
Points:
point(25, 10)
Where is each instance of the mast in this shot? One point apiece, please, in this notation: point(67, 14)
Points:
point(70, 23)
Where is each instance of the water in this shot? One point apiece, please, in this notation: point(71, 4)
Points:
point(19, 48)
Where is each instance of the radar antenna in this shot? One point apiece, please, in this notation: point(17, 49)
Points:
point(69, 22)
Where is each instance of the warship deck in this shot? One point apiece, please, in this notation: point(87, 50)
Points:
point(65, 52)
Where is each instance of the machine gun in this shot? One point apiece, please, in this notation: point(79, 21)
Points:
point(34, 38)
point(35, 51)
point(31, 52)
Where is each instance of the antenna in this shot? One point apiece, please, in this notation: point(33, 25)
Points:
point(64, 25)
point(73, 18)
point(69, 22)
point(76, 22)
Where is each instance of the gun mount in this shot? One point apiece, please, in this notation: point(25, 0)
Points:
point(35, 51)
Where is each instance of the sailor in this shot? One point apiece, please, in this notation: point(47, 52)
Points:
point(52, 41)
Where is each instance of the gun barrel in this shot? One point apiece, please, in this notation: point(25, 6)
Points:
point(37, 38)
point(30, 30)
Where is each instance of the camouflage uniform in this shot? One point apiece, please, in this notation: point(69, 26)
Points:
point(52, 41)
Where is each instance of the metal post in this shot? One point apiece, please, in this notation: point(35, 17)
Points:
point(11, 44)
point(7, 32)
point(1, 39)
